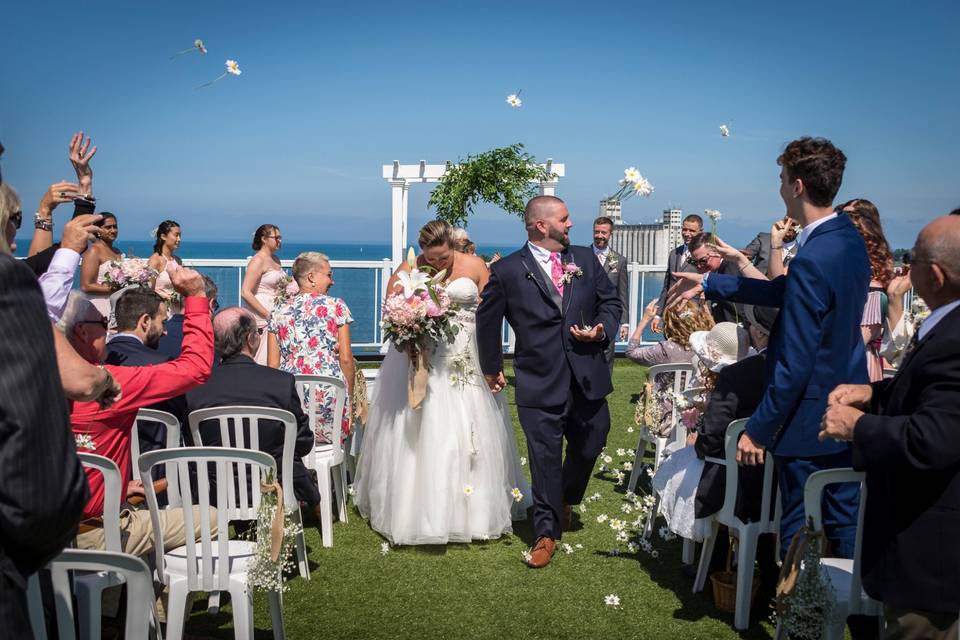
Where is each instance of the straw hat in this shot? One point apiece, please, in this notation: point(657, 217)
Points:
point(724, 344)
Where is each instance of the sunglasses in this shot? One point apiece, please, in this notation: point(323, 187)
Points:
point(701, 262)
point(17, 219)
point(103, 322)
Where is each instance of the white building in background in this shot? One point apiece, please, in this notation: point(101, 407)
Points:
point(645, 243)
point(611, 209)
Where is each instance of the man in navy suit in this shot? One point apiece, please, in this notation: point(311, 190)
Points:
point(564, 311)
point(815, 343)
point(141, 315)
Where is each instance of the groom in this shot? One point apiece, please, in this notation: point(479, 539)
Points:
point(564, 311)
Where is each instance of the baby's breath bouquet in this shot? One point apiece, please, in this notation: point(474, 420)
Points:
point(276, 535)
point(804, 609)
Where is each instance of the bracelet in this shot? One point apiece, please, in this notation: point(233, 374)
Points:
point(773, 248)
point(42, 223)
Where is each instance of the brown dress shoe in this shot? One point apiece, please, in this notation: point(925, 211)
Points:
point(567, 517)
point(541, 553)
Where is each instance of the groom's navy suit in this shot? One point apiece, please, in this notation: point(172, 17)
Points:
point(561, 384)
point(815, 345)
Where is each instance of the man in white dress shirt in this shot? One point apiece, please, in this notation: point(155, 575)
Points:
point(615, 266)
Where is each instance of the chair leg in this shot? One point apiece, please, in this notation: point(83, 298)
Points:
point(302, 563)
point(658, 453)
point(746, 556)
point(637, 464)
point(706, 554)
point(89, 595)
point(35, 607)
point(276, 614)
point(339, 486)
point(652, 518)
point(178, 603)
point(689, 553)
point(213, 603)
point(241, 599)
point(326, 506)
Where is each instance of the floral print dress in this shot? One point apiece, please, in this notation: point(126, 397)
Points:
point(306, 328)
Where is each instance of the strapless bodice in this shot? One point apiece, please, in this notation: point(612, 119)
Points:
point(463, 293)
point(269, 282)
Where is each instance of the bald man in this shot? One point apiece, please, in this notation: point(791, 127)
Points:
point(905, 434)
point(241, 381)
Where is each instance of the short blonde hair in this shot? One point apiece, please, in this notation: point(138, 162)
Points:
point(9, 204)
point(306, 262)
point(683, 319)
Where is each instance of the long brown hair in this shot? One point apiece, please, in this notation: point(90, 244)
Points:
point(866, 218)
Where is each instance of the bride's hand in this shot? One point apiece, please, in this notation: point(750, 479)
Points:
point(496, 382)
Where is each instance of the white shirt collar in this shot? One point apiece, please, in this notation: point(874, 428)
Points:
point(539, 253)
point(126, 335)
point(600, 251)
point(807, 230)
point(935, 316)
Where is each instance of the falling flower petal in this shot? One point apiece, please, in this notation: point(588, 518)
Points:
point(384, 548)
point(233, 68)
point(198, 43)
point(724, 131)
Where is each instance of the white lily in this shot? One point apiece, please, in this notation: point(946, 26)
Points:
point(439, 277)
point(412, 281)
point(411, 258)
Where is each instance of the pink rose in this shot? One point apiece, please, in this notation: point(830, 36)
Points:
point(433, 310)
point(689, 418)
point(570, 267)
point(293, 288)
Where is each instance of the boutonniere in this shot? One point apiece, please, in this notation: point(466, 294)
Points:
point(613, 262)
point(570, 271)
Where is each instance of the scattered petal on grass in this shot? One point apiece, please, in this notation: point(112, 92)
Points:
point(384, 548)
point(612, 600)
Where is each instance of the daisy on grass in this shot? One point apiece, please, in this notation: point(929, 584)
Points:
point(517, 494)
point(629, 429)
point(607, 459)
point(632, 547)
point(621, 452)
point(384, 548)
point(602, 518)
point(628, 466)
point(612, 600)
point(567, 549)
point(233, 69)
point(583, 508)
point(468, 490)
point(578, 546)
point(526, 556)
point(523, 462)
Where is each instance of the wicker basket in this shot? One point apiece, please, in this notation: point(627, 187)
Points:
point(725, 585)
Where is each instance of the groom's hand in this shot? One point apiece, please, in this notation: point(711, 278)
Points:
point(593, 334)
point(496, 382)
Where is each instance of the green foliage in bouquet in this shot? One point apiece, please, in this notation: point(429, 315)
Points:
point(505, 177)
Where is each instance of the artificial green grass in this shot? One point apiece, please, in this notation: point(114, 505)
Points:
point(484, 590)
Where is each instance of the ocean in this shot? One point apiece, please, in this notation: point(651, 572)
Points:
point(355, 286)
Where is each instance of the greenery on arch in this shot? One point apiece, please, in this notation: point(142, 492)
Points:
point(505, 177)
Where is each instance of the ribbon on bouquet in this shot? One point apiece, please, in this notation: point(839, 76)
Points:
point(276, 527)
point(417, 380)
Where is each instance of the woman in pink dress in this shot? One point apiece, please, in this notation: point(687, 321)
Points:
point(263, 280)
point(96, 261)
point(164, 262)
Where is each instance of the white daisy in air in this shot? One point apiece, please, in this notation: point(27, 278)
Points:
point(642, 187)
point(197, 46)
point(468, 490)
point(631, 175)
point(233, 69)
point(514, 100)
point(724, 131)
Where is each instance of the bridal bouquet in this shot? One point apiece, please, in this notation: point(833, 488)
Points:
point(128, 272)
point(287, 288)
point(416, 317)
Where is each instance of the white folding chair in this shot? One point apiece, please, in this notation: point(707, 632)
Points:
point(230, 421)
point(214, 563)
point(747, 533)
point(326, 459)
point(127, 569)
point(354, 443)
point(172, 442)
point(680, 375)
point(844, 573)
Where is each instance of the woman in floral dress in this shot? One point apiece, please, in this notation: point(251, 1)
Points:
point(310, 334)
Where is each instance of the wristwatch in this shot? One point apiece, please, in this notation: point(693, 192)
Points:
point(41, 222)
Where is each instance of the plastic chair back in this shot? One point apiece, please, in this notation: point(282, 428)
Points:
point(307, 386)
point(172, 442)
point(111, 496)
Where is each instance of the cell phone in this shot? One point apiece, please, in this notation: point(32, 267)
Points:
point(82, 207)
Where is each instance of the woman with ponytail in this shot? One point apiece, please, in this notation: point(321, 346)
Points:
point(166, 239)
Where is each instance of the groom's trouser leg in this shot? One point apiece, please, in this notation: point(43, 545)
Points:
point(587, 426)
point(544, 428)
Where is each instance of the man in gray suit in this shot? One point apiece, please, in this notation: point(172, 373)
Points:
point(615, 266)
point(678, 260)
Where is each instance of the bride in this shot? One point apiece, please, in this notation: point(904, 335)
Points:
point(447, 472)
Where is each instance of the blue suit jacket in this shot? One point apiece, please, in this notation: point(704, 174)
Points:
point(172, 341)
point(815, 343)
point(546, 355)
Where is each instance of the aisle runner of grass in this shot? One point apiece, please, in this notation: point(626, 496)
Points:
point(485, 591)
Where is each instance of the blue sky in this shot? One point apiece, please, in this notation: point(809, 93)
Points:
point(331, 91)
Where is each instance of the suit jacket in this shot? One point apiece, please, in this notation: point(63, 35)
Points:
point(815, 343)
point(909, 445)
point(736, 395)
point(42, 485)
point(675, 262)
point(241, 381)
point(760, 248)
point(616, 269)
point(171, 341)
point(547, 359)
point(726, 310)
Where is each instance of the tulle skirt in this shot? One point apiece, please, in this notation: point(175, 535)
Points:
point(448, 471)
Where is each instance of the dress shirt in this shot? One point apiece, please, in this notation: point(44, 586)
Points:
point(807, 230)
point(935, 316)
point(601, 254)
point(542, 256)
point(57, 281)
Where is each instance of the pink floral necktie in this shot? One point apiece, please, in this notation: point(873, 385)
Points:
point(556, 271)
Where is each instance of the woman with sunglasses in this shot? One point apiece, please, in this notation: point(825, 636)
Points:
point(96, 261)
point(263, 280)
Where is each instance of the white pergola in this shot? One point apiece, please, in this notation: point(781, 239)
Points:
point(401, 176)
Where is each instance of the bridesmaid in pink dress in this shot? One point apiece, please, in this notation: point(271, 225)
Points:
point(163, 260)
point(262, 280)
point(96, 262)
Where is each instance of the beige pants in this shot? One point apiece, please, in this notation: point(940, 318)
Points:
point(136, 531)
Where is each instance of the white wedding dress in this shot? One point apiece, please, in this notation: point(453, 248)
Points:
point(445, 472)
